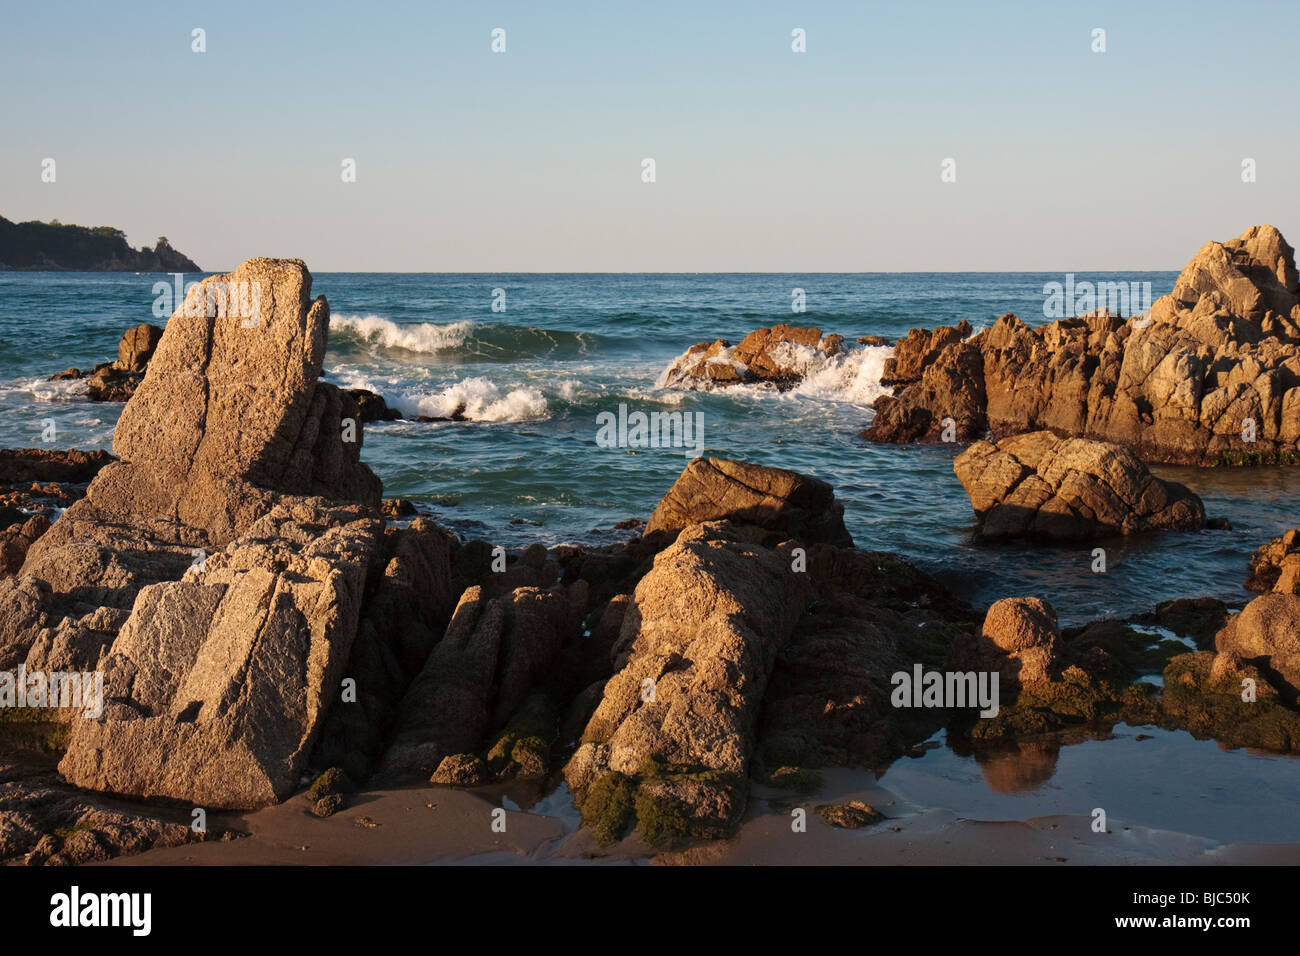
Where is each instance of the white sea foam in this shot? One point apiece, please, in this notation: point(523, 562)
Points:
point(853, 375)
point(424, 337)
point(479, 400)
point(63, 390)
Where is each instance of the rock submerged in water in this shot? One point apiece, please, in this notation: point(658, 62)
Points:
point(783, 503)
point(1276, 565)
point(1069, 489)
point(117, 381)
point(1211, 376)
point(777, 356)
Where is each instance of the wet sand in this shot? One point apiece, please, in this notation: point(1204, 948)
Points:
point(437, 825)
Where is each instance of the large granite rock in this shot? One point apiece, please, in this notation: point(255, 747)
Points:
point(228, 418)
point(1038, 485)
point(699, 643)
point(218, 683)
point(782, 502)
point(1210, 376)
point(495, 651)
point(216, 572)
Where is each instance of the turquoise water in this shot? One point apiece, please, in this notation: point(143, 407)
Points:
point(533, 379)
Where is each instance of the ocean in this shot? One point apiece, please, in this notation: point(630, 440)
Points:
point(533, 380)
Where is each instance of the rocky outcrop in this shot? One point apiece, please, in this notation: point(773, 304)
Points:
point(227, 418)
point(677, 720)
point(218, 683)
point(1276, 565)
point(216, 572)
point(1267, 634)
point(778, 356)
point(20, 466)
point(495, 652)
point(784, 503)
point(1038, 485)
point(1210, 376)
point(117, 381)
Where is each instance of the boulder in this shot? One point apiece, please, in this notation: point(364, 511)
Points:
point(678, 719)
point(1267, 633)
point(1020, 639)
point(1039, 486)
point(17, 539)
point(783, 503)
point(136, 347)
point(219, 683)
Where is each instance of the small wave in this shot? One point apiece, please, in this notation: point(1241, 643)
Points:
point(42, 390)
point(424, 337)
point(478, 400)
point(464, 340)
point(853, 375)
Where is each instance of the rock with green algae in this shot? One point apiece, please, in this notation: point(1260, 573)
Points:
point(851, 815)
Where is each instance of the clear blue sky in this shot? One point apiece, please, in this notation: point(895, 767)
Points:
point(767, 160)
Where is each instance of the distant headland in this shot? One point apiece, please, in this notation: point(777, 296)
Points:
point(54, 246)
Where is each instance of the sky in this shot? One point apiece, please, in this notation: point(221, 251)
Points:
point(766, 160)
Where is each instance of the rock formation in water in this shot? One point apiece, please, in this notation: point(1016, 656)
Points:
point(779, 356)
point(117, 381)
point(777, 501)
point(1211, 376)
point(1068, 489)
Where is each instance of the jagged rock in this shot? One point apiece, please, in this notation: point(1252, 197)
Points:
point(828, 700)
point(1267, 633)
point(44, 824)
point(705, 629)
point(917, 351)
point(24, 465)
point(495, 651)
point(219, 683)
point(1210, 376)
point(1276, 565)
point(778, 356)
point(117, 381)
point(137, 346)
point(17, 539)
point(787, 504)
point(372, 406)
point(1038, 485)
point(406, 610)
point(230, 418)
point(461, 770)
